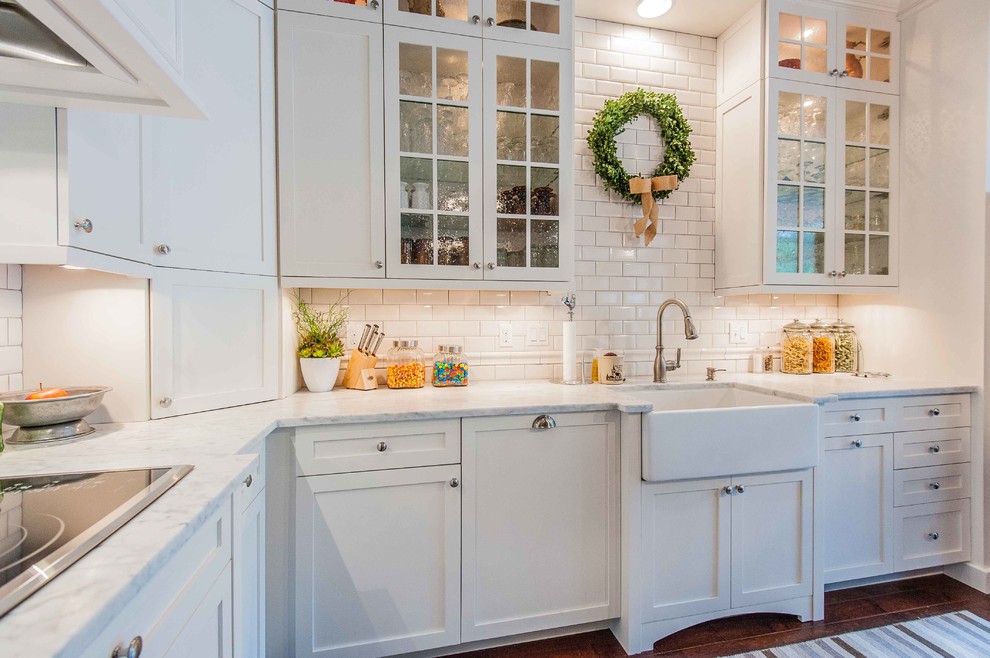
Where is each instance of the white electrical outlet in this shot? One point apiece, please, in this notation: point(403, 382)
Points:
point(505, 334)
point(538, 334)
point(738, 332)
point(354, 331)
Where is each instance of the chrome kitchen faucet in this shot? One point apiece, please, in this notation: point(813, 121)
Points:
point(660, 365)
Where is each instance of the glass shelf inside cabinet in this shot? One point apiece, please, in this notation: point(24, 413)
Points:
point(866, 222)
point(801, 182)
point(527, 176)
point(434, 153)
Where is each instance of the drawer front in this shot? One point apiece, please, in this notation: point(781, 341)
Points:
point(251, 484)
point(916, 486)
point(931, 535)
point(324, 450)
point(931, 447)
point(932, 412)
point(858, 417)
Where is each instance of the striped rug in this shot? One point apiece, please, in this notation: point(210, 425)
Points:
point(953, 635)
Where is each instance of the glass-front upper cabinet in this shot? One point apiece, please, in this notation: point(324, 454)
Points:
point(451, 16)
point(868, 189)
point(528, 182)
point(850, 49)
point(802, 127)
point(433, 148)
point(359, 10)
point(538, 22)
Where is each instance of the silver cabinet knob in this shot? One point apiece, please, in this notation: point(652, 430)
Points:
point(854, 418)
point(844, 74)
point(490, 22)
point(165, 402)
point(834, 72)
point(933, 536)
point(476, 19)
point(163, 249)
point(132, 650)
point(248, 481)
point(85, 225)
point(374, 4)
point(454, 482)
point(491, 266)
point(544, 422)
point(476, 266)
point(935, 412)
point(833, 273)
point(936, 448)
point(842, 274)
point(740, 489)
point(379, 264)
point(935, 485)
point(857, 443)
point(727, 490)
point(382, 446)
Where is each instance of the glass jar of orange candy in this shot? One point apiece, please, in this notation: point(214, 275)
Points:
point(405, 365)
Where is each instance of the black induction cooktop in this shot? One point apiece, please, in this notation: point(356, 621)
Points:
point(47, 522)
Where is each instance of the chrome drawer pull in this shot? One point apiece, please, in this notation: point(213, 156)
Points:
point(936, 448)
point(933, 536)
point(382, 446)
point(857, 443)
point(935, 485)
point(248, 481)
point(544, 422)
point(727, 490)
point(740, 489)
point(132, 650)
point(854, 418)
point(935, 412)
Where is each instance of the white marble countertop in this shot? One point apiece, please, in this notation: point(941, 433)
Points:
point(67, 614)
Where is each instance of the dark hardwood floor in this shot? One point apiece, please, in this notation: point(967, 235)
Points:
point(846, 610)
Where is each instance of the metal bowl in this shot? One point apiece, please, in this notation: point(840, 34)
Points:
point(81, 402)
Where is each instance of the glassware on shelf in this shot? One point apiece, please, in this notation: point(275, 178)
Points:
point(796, 349)
point(846, 346)
point(403, 194)
point(450, 367)
point(405, 365)
point(823, 347)
point(421, 197)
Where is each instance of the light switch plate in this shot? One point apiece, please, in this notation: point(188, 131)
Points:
point(538, 334)
point(738, 332)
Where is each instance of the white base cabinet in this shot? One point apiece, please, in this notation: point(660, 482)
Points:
point(728, 546)
point(249, 566)
point(541, 515)
point(377, 567)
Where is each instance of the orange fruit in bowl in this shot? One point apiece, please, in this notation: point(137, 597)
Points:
point(47, 394)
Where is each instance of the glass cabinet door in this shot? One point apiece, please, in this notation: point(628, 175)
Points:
point(867, 47)
point(450, 16)
point(359, 10)
point(433, 185)
point(801, 43)
point(528, 182)
point(800, 180)
point(868, 133)
point(537, 22)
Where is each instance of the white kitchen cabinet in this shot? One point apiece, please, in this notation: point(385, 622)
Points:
point(208, 633)
point(377, 568)
point(213, 340)
point(369, 12)
point(845, 48)
point(117, 56)
point(331, 145)
point(209, 186)
point(720, 544)
point(249, 572)
point(541, 523)
point(857, 491)
point(457, 17)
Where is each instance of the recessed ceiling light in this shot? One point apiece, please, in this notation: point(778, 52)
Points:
point(653, 8)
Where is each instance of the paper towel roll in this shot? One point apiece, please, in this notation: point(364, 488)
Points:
point(570, 351)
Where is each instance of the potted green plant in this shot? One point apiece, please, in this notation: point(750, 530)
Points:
point(320, 346)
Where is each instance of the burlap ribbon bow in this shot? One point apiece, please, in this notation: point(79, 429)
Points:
point(651, 213)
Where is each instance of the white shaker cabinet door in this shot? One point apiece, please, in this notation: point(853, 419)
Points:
point(771, 537)
point(207, 634)
point(249, 579)
point(213, 340)
point(541, 523)
point(857, 487)
point(331, 147)
point(377, 562)
point(210, 185)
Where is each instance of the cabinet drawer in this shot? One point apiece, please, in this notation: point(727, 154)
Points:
point(932, 412)
point(931, 447)
point(250, 485)
point(325, 450)
point(931, 535)
point(914, 486)
point(858, 417)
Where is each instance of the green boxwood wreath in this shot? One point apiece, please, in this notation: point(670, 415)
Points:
point(611, 121)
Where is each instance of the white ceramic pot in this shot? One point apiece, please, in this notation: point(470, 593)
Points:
point(319, 374)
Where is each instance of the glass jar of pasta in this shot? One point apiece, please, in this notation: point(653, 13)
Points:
point(405, 365)
point(796, 349)
point(846, 346)
point(823, 348)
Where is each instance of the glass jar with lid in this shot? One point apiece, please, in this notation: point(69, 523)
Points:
point(450, 368)
point(796, 349)
point(823, 348)
point(846, 346)
point(405, 365)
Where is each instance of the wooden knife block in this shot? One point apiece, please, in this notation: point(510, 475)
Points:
point(358, 362)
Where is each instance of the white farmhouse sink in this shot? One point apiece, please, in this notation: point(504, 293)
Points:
point(721, 431)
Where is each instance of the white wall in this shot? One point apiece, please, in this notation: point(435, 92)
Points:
point(935, 326)
point(11, 331)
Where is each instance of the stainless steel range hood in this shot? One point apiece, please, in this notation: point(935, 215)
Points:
point(22, 36)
